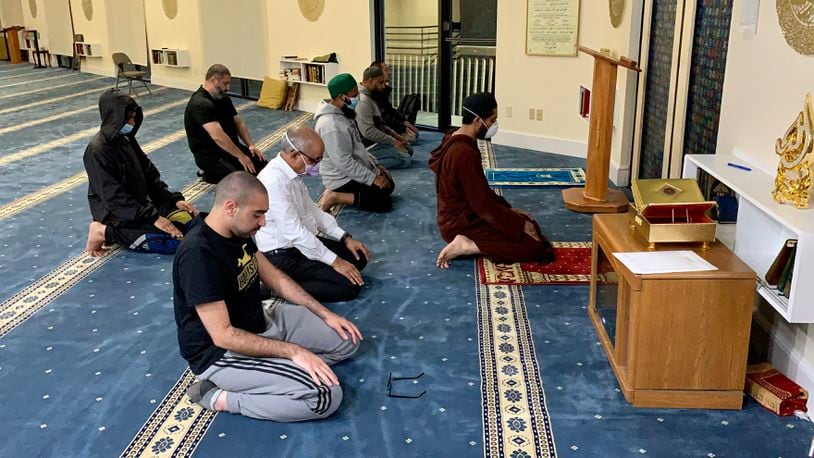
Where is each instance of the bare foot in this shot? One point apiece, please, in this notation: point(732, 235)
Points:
point(328, 200)
point(461, 245)
point(220, 403)
point(96, 240)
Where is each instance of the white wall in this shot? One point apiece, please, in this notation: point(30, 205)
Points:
point(764, 86)
point(181, 32)
point(95, 30)
point(11, 13)
point(240, 42)
point(125, 22)
point(35, 23)
point(58, 22)
point(552, 84)
point(343, 28)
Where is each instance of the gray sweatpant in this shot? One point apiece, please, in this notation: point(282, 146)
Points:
point(276, 388)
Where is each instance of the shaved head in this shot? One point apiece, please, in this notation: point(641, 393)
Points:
point(239, 187)
point(304, 139)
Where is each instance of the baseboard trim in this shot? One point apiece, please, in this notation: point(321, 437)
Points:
point(177, 83)
point(785, 358)
point(540, 143)
point(620, 175)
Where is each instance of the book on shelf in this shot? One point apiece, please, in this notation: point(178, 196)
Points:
point(779, 274)
point(784, 284)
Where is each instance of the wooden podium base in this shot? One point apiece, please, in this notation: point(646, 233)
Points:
point(575, 200)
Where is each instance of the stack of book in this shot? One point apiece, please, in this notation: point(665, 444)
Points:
point(780, 272)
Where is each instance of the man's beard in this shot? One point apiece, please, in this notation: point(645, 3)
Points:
point(350, 114)
point(217, 94)
point(482, 132)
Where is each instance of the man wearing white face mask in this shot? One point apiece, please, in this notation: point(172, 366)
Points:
point(472, 218)
point(327, 267)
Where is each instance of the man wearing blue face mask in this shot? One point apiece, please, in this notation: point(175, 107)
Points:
point(129, 202)
point(327, 267)
point(472, 218)
point(351, 175)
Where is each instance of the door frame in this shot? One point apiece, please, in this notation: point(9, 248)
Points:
point(444, 73)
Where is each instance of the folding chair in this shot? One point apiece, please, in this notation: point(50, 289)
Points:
point(122, 62)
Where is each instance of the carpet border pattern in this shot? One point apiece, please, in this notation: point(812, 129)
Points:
point(515, 416)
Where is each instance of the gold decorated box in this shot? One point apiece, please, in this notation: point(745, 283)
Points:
point(671, 211)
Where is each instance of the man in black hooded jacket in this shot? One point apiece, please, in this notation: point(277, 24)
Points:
point(129, 202)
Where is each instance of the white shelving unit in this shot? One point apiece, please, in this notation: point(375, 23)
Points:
point(316, 73)
point(85, 49)
point(762, 228)
point(167, 57)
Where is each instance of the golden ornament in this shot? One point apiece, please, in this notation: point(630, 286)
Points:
point(793, 182)
point(311, 9)
point(796, 19)
point(617, 10)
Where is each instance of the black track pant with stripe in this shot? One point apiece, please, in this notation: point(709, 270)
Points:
point(276, 388)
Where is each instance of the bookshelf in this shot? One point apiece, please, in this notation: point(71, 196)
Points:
point(762, 228)
point(167, 57)
point(302, 71)
point(85, 49)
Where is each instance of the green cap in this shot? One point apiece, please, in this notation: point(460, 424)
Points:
point(341, 84)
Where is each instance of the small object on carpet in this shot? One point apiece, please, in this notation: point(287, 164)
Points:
point(529, 177)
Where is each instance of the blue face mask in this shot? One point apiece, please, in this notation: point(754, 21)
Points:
point(126, 129)
point(352, 102)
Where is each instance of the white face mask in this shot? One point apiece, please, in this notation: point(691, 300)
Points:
point(490, 130)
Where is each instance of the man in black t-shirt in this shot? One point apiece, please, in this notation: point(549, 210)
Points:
point(273, 367)
point(214, 130)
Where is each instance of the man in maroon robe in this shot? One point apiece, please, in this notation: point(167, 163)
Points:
point(472, 218)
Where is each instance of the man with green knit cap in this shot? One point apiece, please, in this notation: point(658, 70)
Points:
point(351, 175)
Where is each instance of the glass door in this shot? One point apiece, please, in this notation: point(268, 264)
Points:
point(439, 50)
point(470, 37)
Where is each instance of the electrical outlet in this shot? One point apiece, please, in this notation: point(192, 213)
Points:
point(531, 114)
point(509, 111)
point(539, 114)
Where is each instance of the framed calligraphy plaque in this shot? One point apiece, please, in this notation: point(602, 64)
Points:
point(552, 27)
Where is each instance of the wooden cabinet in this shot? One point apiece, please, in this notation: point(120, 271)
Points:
point(676, 340)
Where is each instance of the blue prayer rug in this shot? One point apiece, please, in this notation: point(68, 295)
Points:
point(518, 178)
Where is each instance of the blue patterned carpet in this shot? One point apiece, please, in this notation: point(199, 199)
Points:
point(83, 373)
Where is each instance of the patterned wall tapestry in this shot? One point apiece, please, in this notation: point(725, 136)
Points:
point(657, 87)
point(712, 20)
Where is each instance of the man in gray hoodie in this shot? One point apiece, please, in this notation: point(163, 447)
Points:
point(351, 175)
point(390, 148)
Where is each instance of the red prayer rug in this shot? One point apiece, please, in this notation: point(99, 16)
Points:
point(571, 267)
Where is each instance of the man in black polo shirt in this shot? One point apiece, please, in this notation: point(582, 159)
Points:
point(214, 130)
point(273, 367)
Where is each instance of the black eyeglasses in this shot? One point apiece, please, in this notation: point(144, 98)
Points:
point(313, 161)
point(392, 379)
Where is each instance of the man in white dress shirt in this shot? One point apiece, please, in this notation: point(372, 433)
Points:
point(327, 267)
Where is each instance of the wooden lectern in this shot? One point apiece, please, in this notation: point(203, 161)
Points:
point(13, 43)
point(595, 197)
